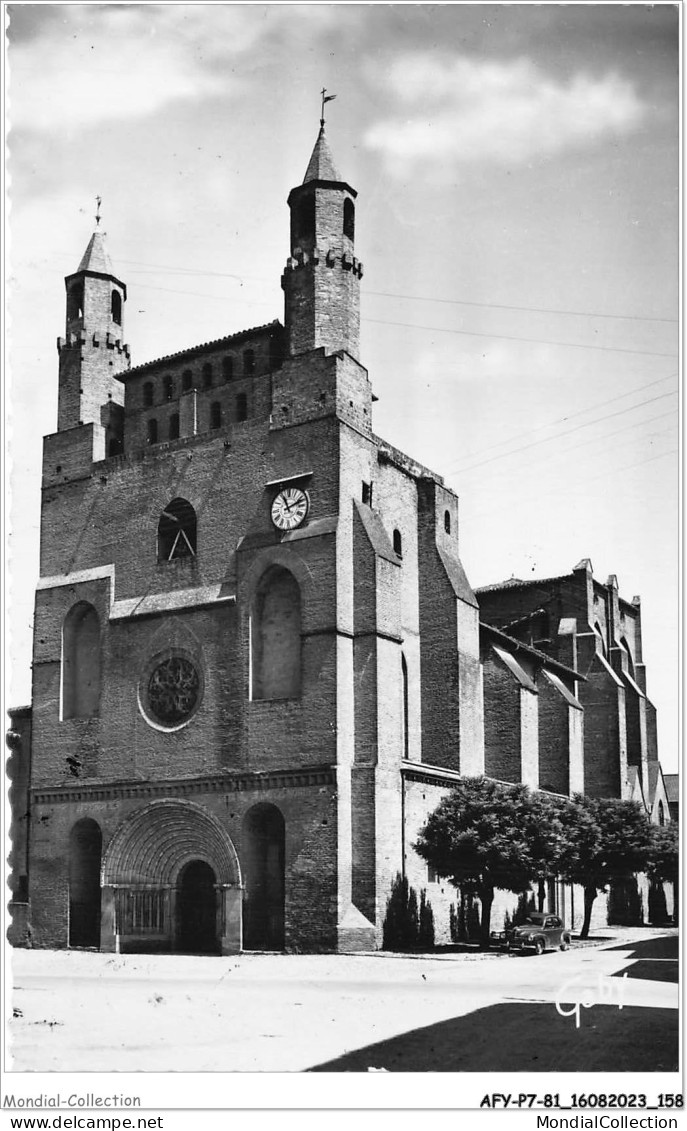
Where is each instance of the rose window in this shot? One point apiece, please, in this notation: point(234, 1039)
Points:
point(173, 690)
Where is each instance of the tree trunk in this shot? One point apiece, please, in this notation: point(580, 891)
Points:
point(486, 898)
point(589, 897)
point(541, 895)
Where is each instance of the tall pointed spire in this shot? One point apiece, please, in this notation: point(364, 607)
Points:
point(321, 166)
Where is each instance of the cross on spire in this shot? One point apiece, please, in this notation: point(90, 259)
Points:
point(98, 202)
point(325, 98)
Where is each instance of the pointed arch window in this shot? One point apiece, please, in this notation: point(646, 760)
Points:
point(630, 662)
point(404, 689)
point(75, 301)
point(148, 393)
point(187, 380)
point(249, 362)
point(176, 532)
point(174, 426)
point(81, 662)
point(227, 368)
point(215, 415)
point(349, 219)
point(275, 637)
point(207, 375)
point(169, 388)
point(152, 430)
point(116, 307)
point(447, 522)
point(398, 543)
point(304, 221)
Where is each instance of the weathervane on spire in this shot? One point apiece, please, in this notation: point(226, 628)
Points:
point(325, 98)
point(98, 202)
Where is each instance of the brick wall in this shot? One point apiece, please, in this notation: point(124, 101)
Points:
point(310, 856)
point(502, 757)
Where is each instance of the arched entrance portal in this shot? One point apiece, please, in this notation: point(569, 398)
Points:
point(196, 907)
point(263, 840)
point(85, 846)
point(171, 880)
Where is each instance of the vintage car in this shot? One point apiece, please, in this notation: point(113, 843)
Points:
point(539, 932)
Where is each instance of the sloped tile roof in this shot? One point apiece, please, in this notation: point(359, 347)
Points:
point(202, 347)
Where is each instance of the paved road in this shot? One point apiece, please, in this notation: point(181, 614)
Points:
point(96, 1012)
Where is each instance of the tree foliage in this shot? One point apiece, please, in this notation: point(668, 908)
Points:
point(610, 842)
point(485, 835)
point(407, 924)
point(664, 853)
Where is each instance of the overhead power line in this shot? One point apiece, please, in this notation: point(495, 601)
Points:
point(571, 485)
point(431, 329)
point(570, 416)
point(418, 298)
point(525, 309)
point(560, 435)
point(606, 436)
point(515, 338)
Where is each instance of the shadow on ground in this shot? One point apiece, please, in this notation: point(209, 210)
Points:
point(528, 1038)
point(665, 946)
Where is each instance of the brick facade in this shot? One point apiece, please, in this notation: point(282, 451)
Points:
point(299, 792)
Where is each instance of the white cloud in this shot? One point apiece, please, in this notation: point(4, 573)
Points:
point(459, 111)
point(105, 63)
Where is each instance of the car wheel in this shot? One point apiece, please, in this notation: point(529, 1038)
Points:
point(565, 943)
point(539, 946)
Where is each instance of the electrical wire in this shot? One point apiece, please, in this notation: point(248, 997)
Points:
point(560, 435)
point(570, 416)
point(524, 309)
point(516, 338)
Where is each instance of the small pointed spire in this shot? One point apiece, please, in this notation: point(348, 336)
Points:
point(321, 166)
point(95, 257)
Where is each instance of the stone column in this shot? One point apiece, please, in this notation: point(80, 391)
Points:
point(231, 918)
point(109, 937)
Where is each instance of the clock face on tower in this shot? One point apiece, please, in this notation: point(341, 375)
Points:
point(290, 508)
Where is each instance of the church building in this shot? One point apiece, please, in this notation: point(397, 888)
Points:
point(258, 663)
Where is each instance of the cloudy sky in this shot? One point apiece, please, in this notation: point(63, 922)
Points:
point(517, 172)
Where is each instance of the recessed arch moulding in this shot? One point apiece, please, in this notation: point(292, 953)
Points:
point(147, 854)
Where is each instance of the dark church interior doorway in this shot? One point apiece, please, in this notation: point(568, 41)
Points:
point(197, 909)
point(85, 848)
point(263, 915)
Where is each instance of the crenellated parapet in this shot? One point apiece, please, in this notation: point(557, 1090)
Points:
point(95, 340)
point(330, 258)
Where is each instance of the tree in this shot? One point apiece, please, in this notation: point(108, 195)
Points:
point(425, 936)
point(485, 835)
point(663, 865)
point(407, 925)
point(608, 840)
point(664, 854)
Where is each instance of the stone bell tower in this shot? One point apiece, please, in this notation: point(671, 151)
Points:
point(92, 352)
point(321, 281)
